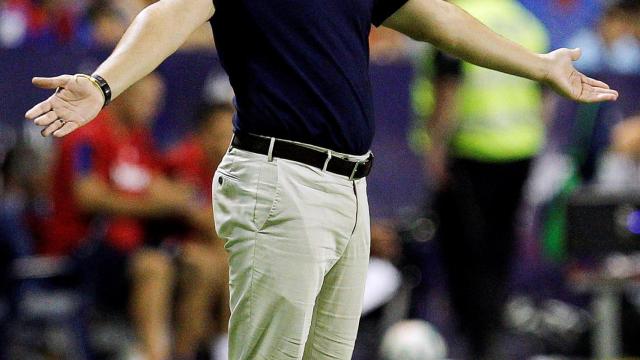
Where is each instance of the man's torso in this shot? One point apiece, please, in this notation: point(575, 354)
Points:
point(299, 68)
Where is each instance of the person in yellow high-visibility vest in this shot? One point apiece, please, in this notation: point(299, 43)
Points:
point(485, 129)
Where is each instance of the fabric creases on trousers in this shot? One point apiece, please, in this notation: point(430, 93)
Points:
point(298, 242)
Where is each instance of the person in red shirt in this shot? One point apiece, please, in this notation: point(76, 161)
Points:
point(110, 171)
point(194, 160)
point(192, 163)
point(109, 189)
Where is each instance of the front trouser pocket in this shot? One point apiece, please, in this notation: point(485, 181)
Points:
point(245, 195)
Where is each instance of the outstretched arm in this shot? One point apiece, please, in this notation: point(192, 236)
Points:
point(157, 32)
point(453, 30)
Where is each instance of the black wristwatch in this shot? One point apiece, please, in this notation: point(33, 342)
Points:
point(104, 86)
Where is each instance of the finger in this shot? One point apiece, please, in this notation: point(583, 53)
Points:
point(66, 129)
point(52, 128)
point(597, 90)
point(593, 95)
point(52, 82)
point(46, 119)
point(613, 93)
point(66, 114)
point(606, 95)
point(575, 54)
point(38, 110)
point(594, 82)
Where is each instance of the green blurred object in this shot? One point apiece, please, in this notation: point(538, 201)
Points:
point(555, 221)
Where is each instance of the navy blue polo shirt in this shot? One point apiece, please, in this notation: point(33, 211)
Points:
point(300, 68)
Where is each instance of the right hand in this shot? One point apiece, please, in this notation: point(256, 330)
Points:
point(76, 102)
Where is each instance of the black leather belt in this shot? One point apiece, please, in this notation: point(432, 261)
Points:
point(305, 155)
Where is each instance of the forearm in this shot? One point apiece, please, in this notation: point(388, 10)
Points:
point(127, 206)
point(453, 30)
point(441, 124)
point(94, 197)
point(157, 32)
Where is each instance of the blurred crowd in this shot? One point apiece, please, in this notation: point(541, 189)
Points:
point(90, 23)
point(107, 245)
point(129, 225)
point(60, 21)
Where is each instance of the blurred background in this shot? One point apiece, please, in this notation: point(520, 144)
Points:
point(506, 220)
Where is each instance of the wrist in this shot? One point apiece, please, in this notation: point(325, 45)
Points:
point(94, 83)
point(104, 87)
point(542, 68)
point(101, 85)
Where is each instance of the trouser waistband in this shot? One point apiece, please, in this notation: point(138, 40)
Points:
point(273, 147)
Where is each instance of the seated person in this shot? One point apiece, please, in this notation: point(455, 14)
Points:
point(625, 137)
point(192, 163)
point(109, 186)
point(614, 46)
point(618, 162)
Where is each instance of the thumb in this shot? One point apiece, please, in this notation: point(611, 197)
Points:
point(51, 83)
point(575, 54)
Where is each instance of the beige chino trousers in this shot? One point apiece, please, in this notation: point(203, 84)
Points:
point(298, 243)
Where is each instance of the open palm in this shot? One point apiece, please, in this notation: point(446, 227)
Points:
point(76, 102)
point(569, 82)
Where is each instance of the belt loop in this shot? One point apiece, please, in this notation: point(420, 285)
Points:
point(233, 137)
point(270, 153)
point(353, 173)
point(326, 162)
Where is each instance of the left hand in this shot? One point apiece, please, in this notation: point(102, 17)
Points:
point(569, 82)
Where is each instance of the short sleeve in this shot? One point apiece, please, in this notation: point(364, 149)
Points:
point(382, 9)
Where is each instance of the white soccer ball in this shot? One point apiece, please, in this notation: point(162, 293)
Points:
point(413, 340)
